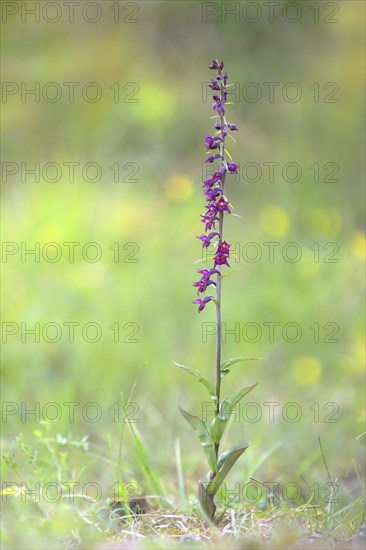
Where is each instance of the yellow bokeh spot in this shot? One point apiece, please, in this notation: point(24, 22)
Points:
point(306, 371)
point(358, 245)
point(327, 223)
point(274, 221)
point(49, 233)
point(178, 187)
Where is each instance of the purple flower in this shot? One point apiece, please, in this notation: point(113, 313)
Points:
point(212, 194)
point(222, 205)
point(233, 167)
point(206, 240)
point(218, 106)
point(224, 248)
point(211, 210)
point(221, 259)
point(208, 272)
point(208, 183)
point(212, 142)
point(216, 65)
point(216, 177)
point(214, 85)
point(205, 280)
point(212, 158)
point(202, 303)
point(203, 284)
point(231, 126)
point(209, 222)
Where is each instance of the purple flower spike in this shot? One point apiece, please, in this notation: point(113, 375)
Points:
point(213, 188)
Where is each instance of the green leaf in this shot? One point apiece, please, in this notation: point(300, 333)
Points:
point(225, 463)
point(217, 429)
point(234, 360)
point(208, 385)
point(230, 272)
point(220, 421)
point(204, 436)
point(224, 372)
point(231, 401)
point(207, 503)
point(225, 366)
point(228, 154)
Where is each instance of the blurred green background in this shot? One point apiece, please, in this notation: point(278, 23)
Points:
point(165, 55)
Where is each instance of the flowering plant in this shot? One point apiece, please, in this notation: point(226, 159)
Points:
point(217, 205)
